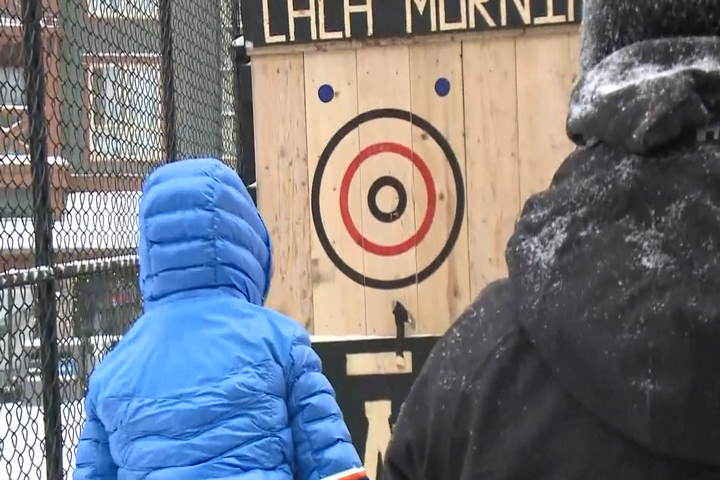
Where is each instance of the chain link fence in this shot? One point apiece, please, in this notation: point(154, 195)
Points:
point(95, 94)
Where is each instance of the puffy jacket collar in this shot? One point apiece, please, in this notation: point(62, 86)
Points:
point(200, 231)
point(648, 94)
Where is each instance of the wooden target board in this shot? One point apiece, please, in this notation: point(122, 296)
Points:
point(387, 190)
point(394, 173)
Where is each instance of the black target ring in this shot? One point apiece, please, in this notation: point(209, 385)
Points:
point(454, 164)
point(374, 190)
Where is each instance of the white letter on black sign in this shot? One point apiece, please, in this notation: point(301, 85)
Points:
point(447, 26)
point(324, 34)
point(480, 7)
point(550, 17)
point(378, 412)
point(523, 8)
point(421, 5)
point(378, 415)
point(266, 24)
point(293, 16)
point(366, 9)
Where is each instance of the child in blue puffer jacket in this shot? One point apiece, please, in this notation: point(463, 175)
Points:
point(208, 383)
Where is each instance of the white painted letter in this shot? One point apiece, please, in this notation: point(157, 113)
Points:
point(523, 8)
point(293, 16)
point(550, 17)
point(269, 38)
point(447, 26)
point(324, 34)
point(378, 415)
point(366, 9)
point(480, 7)
point(420, 5)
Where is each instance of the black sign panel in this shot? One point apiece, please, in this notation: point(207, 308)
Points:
point(268, 22)
point(370, 387)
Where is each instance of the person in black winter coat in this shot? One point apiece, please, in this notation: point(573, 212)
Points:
point(598, 358)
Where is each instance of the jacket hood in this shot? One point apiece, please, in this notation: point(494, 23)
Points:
point(647, 95)
point(199, 230)
point(617, 263)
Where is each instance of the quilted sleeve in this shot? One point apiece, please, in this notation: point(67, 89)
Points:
point(93, 460)
point(323, 448)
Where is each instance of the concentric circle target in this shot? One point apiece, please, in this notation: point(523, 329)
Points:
point(419, 235)
point(373, 193)
point(393, 184)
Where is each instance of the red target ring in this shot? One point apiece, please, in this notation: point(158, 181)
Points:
point(420, 233)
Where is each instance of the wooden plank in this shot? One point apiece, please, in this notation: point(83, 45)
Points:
point(437, 96)
point(384, 82)
point(381, 363)
point(546, 68)
point(574, 47)
point(282, 175)
point(277, 22)
point(492, 152)
point(339, 302)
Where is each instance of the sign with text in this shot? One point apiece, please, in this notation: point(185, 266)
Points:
point(272, 22)
point(371, 385)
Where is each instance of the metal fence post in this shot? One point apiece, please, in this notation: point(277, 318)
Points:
point(168, 80)
point(247, 122)
point(238, 58)
point(32, 21)
point(242, 90)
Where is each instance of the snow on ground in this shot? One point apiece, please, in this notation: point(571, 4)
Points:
point(25, 159)
point(92, 220)
point(22, 455)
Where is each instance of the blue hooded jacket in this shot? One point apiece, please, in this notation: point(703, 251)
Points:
point(208, 383)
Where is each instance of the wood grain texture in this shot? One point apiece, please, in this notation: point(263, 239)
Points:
point(282, 177)
point(443, 296)
point(384, 82)
point(339, 302)
point(492, 155)
point(546, 69)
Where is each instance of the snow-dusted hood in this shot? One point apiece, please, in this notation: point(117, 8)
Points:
point(617, 264)
point(648, 94)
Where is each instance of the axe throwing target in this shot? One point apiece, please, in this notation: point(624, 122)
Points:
point(424, 220)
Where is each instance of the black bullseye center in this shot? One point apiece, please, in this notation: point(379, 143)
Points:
point(379, 184)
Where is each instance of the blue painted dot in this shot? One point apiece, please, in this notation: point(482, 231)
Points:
point(442, 86)
point(326, 93)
